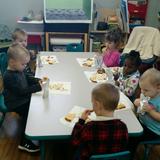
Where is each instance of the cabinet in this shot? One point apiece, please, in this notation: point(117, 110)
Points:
point(137, 12)
point(64, 38)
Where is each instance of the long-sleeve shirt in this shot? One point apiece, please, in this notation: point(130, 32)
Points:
point(128, 83)
point(99, 137)
point(18, 88)
point(111, 58)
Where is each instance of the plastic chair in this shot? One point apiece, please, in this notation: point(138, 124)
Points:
point(125, 155)
point(3, 109)
point(147, 147)
point(74, 47)
point(3, 62)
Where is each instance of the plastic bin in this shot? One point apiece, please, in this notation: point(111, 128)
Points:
point(74, 47)
point(68, 11)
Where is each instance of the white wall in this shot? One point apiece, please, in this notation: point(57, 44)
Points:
point(11, 9)
point(152, 12)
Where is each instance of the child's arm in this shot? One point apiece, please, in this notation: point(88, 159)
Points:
point(151, 111)
point(131, 86)
point(79, 131)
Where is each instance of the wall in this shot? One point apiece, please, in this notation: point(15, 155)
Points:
point(153, 8)
point(11, 9)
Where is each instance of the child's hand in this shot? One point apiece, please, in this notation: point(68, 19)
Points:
point(147, 107)
point(137, 102)
point(86, 113)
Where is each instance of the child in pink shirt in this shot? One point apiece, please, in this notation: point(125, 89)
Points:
point(111, 56)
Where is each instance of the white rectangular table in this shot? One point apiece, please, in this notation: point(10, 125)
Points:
point(44, 114)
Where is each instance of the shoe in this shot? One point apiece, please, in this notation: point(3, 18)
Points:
point(28, 146)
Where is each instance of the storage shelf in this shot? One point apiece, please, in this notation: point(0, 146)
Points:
point(49, 35)
point(30, 22)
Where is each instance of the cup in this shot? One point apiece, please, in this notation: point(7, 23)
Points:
point(39, 61)
point(45, 88)
point(98, 60)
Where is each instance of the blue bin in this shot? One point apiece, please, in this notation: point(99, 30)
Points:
point(74, 47)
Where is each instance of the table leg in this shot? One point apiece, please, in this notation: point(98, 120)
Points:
point(42, 150)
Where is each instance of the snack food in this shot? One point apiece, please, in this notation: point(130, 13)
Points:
point(121, 106)
point(98, 77)
point(45, 78)
point(101, 71)
point(69, 117)
point(88, 62)
point(57, 86)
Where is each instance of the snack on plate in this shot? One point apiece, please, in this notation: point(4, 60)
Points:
point(101, 71)
point(121, 106)
point(69, 117)
point(88, 62)
point(98, 77)
point(57, 86)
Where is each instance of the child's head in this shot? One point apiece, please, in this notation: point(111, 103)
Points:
point(105, 97)
point(18, 57)
point(20, 36)
point(150, 83)
point(131, 63)
point(113, 38)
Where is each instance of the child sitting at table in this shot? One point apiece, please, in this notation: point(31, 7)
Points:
point(105, 134)
point(149, 115)
point(129, 74)
point(150, 87)
point(111, 54)
point(18, 88)
point(20, 36)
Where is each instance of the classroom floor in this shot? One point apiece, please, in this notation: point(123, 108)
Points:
point(9, 140)
point(56, 150)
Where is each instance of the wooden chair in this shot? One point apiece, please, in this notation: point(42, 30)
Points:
point(125, 155)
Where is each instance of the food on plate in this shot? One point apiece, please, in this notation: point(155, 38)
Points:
point(57, 86)
point(88, 62)
point(50, 62)
point(98, 77)
point(69, 117)
point(121, 106)
point(101, 71)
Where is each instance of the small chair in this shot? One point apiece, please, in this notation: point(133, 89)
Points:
point(125, 155)
point(3, 62)
point(148, 145)
point(74, 47)
point(3, 109)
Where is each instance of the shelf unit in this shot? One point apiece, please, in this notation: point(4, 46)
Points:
point(49, 35)
point(137, 12)
point(96, 38)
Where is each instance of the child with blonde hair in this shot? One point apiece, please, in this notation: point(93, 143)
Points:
point(149, 114)
point(105, 134)
point(18, 88)
point(19, 36)
point(150, 87)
